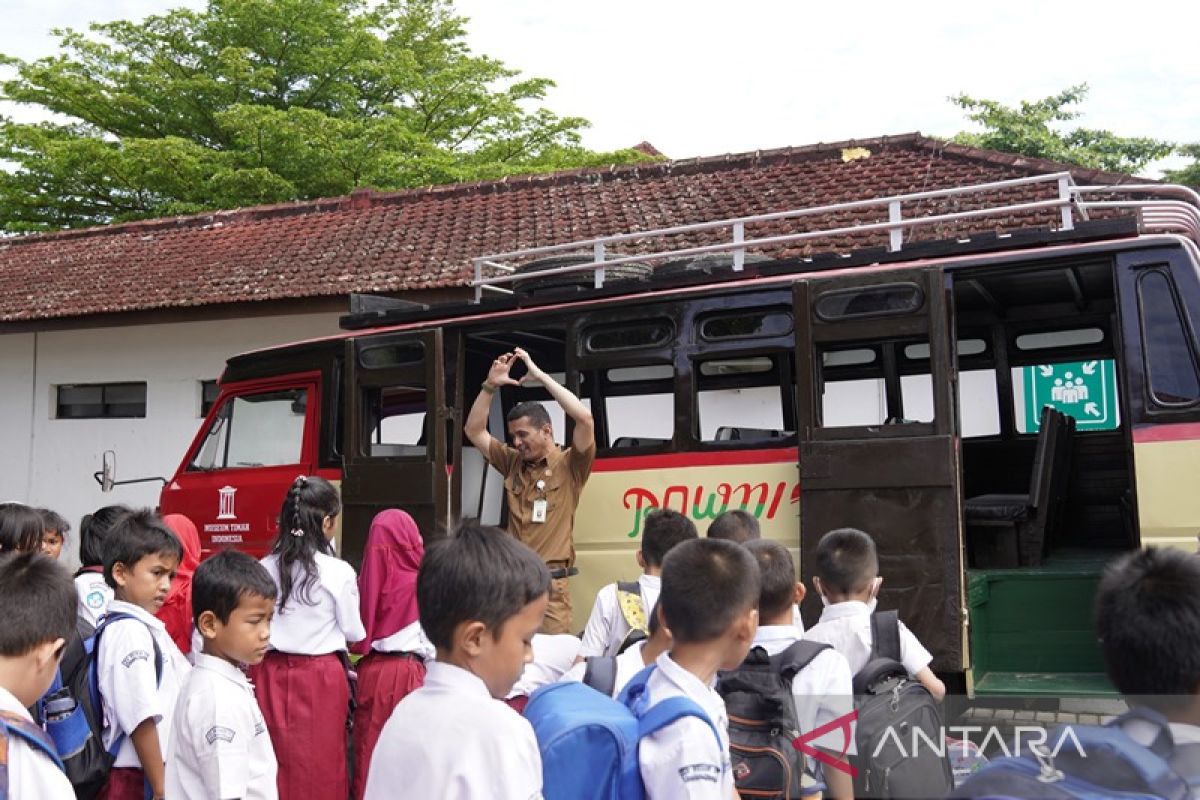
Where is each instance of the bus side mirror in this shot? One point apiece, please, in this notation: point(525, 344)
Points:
point(107, 475)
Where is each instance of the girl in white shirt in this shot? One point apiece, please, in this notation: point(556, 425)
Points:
point(301, 684)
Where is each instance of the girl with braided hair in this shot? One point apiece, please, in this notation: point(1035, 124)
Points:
point(301, 685)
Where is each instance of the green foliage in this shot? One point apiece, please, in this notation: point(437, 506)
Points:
point(1189, 175)
point(260, 101)
point(1033, 129)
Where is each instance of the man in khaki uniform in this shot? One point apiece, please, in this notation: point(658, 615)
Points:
point(542, 482)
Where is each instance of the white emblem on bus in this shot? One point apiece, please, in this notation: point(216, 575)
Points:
point(226, 503)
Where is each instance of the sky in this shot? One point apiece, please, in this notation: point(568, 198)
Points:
point(698, 78)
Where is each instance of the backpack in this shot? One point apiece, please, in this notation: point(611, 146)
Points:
point(893, 712)
point(762, 721)
point(74, 712)
point(1095, 761)
point(15, 725)
point(589, 741)
point(629, 600)
point(600, 673)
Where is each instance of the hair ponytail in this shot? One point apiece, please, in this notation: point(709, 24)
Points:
point(301, 536)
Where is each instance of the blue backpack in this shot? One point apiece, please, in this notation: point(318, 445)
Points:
point(589, 742)
point(15, 725)
point(1112, 766)
point(74, 712)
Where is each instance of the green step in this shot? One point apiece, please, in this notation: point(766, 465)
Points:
point(1043, 684)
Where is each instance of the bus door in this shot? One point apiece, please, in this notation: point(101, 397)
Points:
point(1160, 333)
point(395, 437)
point(878, 442)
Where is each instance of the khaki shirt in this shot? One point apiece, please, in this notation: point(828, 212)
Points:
point(565, 473)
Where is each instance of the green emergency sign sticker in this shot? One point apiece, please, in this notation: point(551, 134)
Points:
point(1085, 390)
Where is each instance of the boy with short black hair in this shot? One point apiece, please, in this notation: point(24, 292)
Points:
point(38, 602)
point(709, 603)
point(847, 579)
point(54, 532)
point(482, 595)
point(139, 668)
point(623, 609)
point(823, 690)
point(735, 525)
point(220, 748)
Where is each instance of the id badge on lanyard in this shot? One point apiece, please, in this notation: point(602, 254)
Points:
point(539, 505)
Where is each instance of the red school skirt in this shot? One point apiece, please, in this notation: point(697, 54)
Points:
point(384, 679)
point(305, 701)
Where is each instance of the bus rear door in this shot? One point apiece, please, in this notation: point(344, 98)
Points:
point(879, 449)
point(395, 437)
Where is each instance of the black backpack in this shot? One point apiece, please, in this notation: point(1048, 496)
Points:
point(601, 673)
point(762, 721)
point(891, 706)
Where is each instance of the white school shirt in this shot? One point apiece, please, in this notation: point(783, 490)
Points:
point(220, 748)
point(684, 759)
point(629, 663)
point(330, 622)
point(847, 626)
point(606, 627)
point(451, 740)
point(821, 692)
point(125, 664)
point(31, 773)
point(553, 655)
point(409, 639)
point(94, 596)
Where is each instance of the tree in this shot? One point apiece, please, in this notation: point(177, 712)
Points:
point(1031, 129)
point(261, 101)
point(1189, 175)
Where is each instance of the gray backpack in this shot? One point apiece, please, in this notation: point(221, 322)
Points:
point(890, 706)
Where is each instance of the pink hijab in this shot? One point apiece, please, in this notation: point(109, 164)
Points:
point(387, 585)
point(176, 611)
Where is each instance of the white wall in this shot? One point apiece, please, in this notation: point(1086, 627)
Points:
point(172, 359)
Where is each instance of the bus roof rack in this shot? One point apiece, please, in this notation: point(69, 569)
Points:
point(1166, 209)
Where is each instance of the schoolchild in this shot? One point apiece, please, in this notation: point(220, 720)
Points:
point(847, 579)
point(823, 690)
point(482, 596)
point(395, 648)
point(609, 625)
point(39, 617)
point(20, 528)
point(710, 604)
point(636, 657)
point(302, 685)
point(140, 557)
point(94, 592)
point(735, 525)
point(220, 748)
point(54, 532)
point(176, 611)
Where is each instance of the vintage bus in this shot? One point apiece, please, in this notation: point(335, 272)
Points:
point(901, 390)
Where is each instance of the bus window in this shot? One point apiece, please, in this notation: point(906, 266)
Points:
point(1170, 361)
point(258, 430)
point(740, 398)
point(848, 400)
point(640, 405)
point(395, 420)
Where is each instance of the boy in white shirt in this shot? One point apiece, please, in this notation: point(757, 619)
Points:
point(609, 627)
point(140, 669)
point(220, 748)
point(38, 599)
point(823, 690)
point(847, 579)
point(710, 604)
point(482, 595)
point(621, 668)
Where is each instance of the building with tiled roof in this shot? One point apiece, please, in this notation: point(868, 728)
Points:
point(149, 311)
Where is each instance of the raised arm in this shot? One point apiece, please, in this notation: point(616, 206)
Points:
point(584, 437)
point(477, 418)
